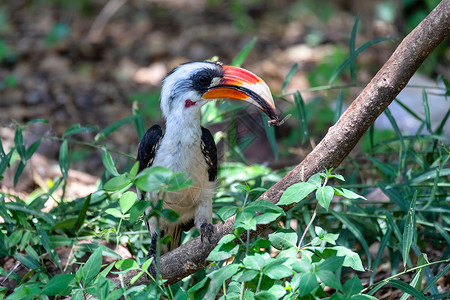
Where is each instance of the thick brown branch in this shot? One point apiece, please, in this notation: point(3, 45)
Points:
point(340, 139)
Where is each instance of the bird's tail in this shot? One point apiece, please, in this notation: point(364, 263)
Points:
point(175, 240)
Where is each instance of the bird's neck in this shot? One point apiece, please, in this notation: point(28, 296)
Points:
point(184, 128)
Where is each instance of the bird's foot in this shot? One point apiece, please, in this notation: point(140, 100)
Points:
point(206, 231)
point(152, 254)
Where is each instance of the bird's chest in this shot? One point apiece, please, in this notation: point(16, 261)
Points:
point(184, 155)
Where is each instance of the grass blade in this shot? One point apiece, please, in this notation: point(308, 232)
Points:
point(288, 77)
point(436, 278)
point(113, 127)
point(426, 108)
point(408, 232)
point(108, 162)
point(82, 213)
point(413, 114)
point(355, 54)
point(393, 225)
point(407, 289)
point(383, 244)
point(442, 124)
point(352, 49)
point(18, 142)
point(43, 237)
point(442, 231)
point(338, 109)
point(64, 159)
point(240, 58)
point(300, 104)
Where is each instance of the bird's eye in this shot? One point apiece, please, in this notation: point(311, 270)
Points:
point(203, 79)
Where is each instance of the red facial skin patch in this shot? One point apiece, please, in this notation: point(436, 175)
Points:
point(188, 103)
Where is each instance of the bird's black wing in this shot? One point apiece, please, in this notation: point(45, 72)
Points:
point(148, 146)
point(209, 150)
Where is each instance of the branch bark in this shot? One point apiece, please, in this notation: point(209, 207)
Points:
point(338, 142)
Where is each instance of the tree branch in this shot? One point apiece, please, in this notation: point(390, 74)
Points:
point(338, 142)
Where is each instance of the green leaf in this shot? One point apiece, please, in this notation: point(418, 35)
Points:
point(178, 181)
point(264, 295)
point(296, 192)
point(64, 159)
point(331, 263)
point(108, 162)
point(353, 56)
point(288, 77)
point(329, 279)
point(264, 206)
point(347, 193)
point(61, 284)
point(302, 266)
point(240, 58)
point(277, 271)
point(66, 223)
point(114, 212)
point(247, 275)
point(19, 171)
point(308, 283)
point(254, 262)
point(267, 218)
point(300, 105)
point(82, 214)
point(126, 264)
point(19, 145)
point(408, 232)
point(352, 286)
point(316, 180)
point(45, 241)
point(218, 277)
point(283, 239)
point(153, 179)
point(28, 261)
point(351, 259)
point(127, 201)
point(134, 170)
point(426, 108)
point(74, 129)
point(245, 220)
point(356, 232)
point(4, 161)
point(225, 249)
point(225, 212)
point(113, 127)
point(407, 289)
point(324, 196)
point(117, 183)
point(92, 267)
point(33, 147)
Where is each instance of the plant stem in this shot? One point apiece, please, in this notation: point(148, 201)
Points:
point(404, 272)
point(242, 291)
point(307, 227)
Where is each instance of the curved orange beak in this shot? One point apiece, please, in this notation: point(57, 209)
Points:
point(240, 84)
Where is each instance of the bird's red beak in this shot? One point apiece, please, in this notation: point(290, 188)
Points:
point(240, 84)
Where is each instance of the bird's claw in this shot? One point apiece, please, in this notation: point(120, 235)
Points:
point(206, 230)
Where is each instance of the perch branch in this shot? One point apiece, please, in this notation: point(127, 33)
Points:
point(338, 142)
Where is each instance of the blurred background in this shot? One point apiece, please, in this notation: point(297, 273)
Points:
point(90, 62)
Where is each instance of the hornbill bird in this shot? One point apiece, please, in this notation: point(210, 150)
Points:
point(188, 147)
